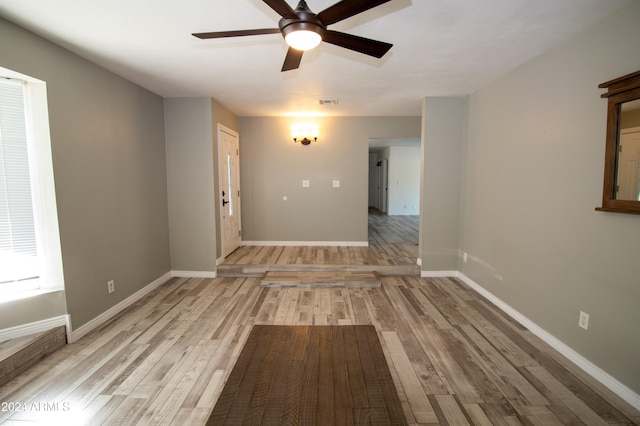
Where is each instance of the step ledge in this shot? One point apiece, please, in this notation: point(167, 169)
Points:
point(320, 279)
point(256, 271)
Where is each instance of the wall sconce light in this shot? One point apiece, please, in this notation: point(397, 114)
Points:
point(304, 134)
point(305, 140)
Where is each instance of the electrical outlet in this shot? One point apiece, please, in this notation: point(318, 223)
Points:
point(583, 321)
point(111, 287)
point(465, 257)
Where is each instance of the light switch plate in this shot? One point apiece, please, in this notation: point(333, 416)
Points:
point(336, 183)
point(305, 183)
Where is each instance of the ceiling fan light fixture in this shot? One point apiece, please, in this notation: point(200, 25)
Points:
point(303, 39)
point(302, 35)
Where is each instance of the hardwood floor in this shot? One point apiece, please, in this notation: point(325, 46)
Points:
point(455, 359)
point(453, 356)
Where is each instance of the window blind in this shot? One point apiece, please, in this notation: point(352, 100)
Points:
point(18, 247)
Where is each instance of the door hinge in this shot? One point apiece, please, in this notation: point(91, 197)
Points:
point(620, 148)
point(237, 152)
point(240, 233)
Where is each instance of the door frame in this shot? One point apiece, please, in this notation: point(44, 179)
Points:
point(222, 128)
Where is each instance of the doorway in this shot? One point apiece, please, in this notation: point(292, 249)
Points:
point(394, 191)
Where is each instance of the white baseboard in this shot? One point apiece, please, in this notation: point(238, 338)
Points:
point(590, 368)
point(308, 243)
point(438, 274)
point(74, 335)
point(193, 274)
point(33, 327)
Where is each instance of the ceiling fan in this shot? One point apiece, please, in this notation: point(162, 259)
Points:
point(303, 30)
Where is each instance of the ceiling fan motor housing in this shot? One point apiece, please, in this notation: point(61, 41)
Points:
point(306, 21)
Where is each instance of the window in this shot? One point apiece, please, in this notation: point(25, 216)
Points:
point(18, 249)
point(30, 256)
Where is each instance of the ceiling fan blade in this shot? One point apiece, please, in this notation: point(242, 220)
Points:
point(359, 44)
point(238, 33)
point(346, 9)
point(292, 60)
point(282, 8)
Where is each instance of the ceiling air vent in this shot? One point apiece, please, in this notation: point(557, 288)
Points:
point(328, 101)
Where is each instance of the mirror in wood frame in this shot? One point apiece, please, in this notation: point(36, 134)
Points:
point(621, 191)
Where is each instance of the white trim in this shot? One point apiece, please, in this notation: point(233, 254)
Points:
point(193, 274)
point(33, 328)
point(74, 335)
point(308, 243)
point(438, 274)
point(590, 368)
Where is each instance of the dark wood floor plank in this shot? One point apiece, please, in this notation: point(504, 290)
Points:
point(310, 380)
point(342, 392)
point(326, 389)
point(265, 377)
point(291, 406)
point(354, 368)
point(277, 393)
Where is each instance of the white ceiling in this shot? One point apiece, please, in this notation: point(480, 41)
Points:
point(441, 48)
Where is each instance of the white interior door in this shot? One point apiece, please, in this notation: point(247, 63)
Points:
point(229, 178)
point(629, 166)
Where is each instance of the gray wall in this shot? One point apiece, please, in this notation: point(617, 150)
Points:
point(443, 141)
point(190, 180)
point(192, 175)
point(534, 176)
point(272, 167)
point(107, 137)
